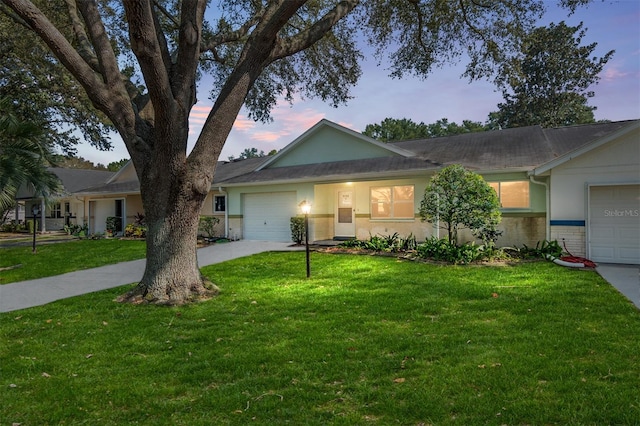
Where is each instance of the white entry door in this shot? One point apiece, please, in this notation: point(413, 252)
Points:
point(345, 216)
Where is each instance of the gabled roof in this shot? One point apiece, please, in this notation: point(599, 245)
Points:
point(74, 180)
point(531, 149)
point(596, 135)
point(355, 146)
point(519, 149)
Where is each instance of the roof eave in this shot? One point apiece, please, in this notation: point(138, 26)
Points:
point(546, 167)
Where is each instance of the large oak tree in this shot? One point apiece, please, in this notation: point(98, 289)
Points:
point(548, 83)
point(256, 53)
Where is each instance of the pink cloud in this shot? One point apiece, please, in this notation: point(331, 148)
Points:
point(613, 73)
point(243, 123)
point(266, 136)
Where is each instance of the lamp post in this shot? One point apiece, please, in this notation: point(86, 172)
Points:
point(306, 208)
point(35, 210)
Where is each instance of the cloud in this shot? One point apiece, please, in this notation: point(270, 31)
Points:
point(243, 123)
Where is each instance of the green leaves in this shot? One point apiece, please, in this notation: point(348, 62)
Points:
point(548, 82)
point(24, 156)
point(460, 199)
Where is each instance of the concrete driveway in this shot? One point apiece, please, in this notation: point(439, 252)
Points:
point(625, 278)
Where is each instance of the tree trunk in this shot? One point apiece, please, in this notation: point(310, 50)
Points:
point(172, 214)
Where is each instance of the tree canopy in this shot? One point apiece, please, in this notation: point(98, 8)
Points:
point(548, 82)
point(137, 63)
point(456, 198)
point(391, 129)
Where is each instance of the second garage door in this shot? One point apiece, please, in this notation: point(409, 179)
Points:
point(267, 216)
point(614, 224)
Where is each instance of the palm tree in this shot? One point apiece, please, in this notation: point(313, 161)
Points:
point(24, 156)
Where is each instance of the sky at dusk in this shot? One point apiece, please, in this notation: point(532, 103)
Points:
point(614, 25)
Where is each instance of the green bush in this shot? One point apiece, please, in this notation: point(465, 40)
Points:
point(297, 230)
point(380, 243)
point(543, 249)
point(12, 226)
point(113, 224)
point(135, 231)
point(76, 230)
point(456, 198)
point(443, 250)
point(208, 225)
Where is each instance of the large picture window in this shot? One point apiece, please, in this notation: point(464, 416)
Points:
point(392, 202)
point(512, 195)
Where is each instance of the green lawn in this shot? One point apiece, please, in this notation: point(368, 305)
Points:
point(365, 340)
point(59, 258)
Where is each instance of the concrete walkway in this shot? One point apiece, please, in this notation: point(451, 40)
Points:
point(26, 294)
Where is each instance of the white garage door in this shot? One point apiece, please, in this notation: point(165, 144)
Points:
point(614, 224)
point(267, 216)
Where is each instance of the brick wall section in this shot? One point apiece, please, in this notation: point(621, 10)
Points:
point(574, 238)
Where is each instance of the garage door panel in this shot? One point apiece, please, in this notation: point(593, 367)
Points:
point(614, 224)
point(629, 255)
point(266, 216)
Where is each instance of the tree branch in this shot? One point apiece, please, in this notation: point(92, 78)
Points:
point(188, 52)
point(85, 48)
point(63, 50)
point(106, 57)
point(306, 38)
point(145, 45)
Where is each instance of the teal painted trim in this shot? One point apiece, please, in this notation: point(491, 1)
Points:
point(567, 223)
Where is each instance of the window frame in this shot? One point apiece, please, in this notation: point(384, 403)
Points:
point(215, 203)
point(392, 203)
point(55, 211)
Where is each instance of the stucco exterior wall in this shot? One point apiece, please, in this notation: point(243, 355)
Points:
point(133, 206)
point(616, 162)
point(326, 142)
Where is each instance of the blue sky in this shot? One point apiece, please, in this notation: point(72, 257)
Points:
point(614, 25)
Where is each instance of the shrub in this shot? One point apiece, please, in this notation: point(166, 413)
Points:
point(113, 224)
point(135, 231)
point(390, 243)
point(458, 198)
point(13, 226)
point(542, 249)
point(77, 230)
point(208, 225)
point(444, 250)
point(297, 229)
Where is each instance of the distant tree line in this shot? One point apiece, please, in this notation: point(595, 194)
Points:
point(547, 83)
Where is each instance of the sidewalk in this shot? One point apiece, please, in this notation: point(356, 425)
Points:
point(27, 294)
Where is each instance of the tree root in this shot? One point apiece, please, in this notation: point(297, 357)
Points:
point(197, 293)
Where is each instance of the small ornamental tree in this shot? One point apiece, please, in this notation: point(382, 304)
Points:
point(456, 198)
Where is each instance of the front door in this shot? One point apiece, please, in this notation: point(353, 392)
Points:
point(345, 223)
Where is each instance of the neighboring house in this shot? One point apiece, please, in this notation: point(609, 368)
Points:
point(579, 185)
point(66, 207)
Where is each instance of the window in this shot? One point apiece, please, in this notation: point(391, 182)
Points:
point(219, 203)
point(512, 195)
point(392, 202)
point(56, 211)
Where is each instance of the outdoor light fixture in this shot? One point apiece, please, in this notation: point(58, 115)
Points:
point(35, 210)
point(306, 208)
